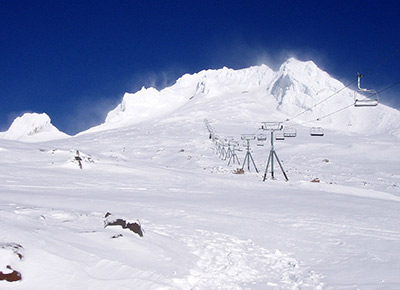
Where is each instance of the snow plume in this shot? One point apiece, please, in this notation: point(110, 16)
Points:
point(32, 127)
point(241, 54)
point(88, 113)
point(158, 80)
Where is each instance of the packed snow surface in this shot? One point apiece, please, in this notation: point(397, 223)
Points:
point(205, 227)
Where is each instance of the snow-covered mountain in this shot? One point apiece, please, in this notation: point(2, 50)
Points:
point(150, 103)
point(297, 87)
point(70, 205)
point(32, 127)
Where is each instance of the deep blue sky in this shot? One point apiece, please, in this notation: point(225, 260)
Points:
point(75, 59)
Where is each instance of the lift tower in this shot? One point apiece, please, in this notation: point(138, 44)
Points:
point(272, 127)
point(248, 157)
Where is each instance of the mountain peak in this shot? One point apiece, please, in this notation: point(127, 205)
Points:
point(32, 127)
point(301, 83)
point(293, 65)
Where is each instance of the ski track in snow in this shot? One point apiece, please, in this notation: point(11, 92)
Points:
point(226, 262)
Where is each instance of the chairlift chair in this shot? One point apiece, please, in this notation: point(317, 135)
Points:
point(260, 139)
point(279, 136)
point(271, 126)
point(248, 137)
point(289, 132)
point(317, 131)
point(365, 97)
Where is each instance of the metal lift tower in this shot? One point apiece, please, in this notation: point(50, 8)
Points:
point(272, 127)
point(248, 157)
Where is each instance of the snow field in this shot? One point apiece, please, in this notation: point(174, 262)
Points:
point(205, 227)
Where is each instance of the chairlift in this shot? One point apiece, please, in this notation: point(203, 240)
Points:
point(271, 126)
point(289, 132)
point(365, 97)
point(317, 131)
point(248, 137)
point(260, 139)
point(279, 136)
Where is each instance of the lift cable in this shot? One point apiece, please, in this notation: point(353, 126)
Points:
point(342, 109)
point(320, 102)
point(368, 72)
point(389, 87)
point(382, 62)
point(330, 114)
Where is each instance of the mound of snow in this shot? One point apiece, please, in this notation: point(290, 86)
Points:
point(32, 127)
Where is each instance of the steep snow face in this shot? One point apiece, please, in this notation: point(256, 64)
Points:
point(300, 83)
point(32, 127)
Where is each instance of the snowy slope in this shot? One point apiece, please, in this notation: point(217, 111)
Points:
point(32, 127)
point(150, 103)
point(204, 227)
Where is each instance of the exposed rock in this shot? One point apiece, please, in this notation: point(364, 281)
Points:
point(238, 171)
point(10, 275)
point(134, 227)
